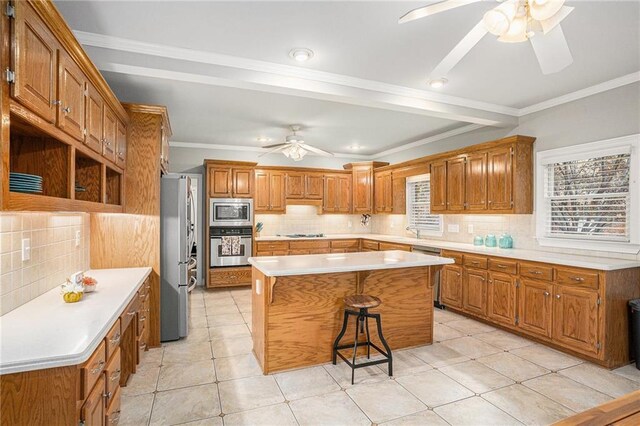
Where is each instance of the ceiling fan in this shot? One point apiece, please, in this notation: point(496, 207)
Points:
point(512, 21)
point(294, 147)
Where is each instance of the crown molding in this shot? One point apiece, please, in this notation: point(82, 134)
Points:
point(582, 93)
point(212, 58)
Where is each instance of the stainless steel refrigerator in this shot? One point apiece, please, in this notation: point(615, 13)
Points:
point(177, 238)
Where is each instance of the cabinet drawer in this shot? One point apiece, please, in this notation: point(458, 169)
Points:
point(141, 346)
point(112, 415)
point(307, 244)
point(457, 257)
point(370, 245)
point(536, 271)
point(142, 321)
point(272, 245)
point(391, 246)
point(577, 277)
point(229, 276)
point(93, 368)
point(503, 265)
point(475, 261)
point(112, 373)
point(320, 250)
point(338, 244)
point(144, 289)
point(113, 339)
point(129, 313)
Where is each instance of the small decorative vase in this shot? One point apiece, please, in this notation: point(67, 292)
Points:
point(88, 288)
point(506, 241)
point(490, 240)
point(478, 241)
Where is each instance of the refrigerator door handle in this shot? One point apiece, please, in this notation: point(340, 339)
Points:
point(192, 284)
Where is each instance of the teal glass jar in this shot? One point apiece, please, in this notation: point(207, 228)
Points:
point(506, 241)
point(490, 240)
point(478, 240)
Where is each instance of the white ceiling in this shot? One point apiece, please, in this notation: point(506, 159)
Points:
point(375, 93)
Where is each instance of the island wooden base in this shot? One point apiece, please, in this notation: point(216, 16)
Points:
point(296, 319)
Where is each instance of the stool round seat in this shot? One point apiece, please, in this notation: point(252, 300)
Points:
point(362, 301)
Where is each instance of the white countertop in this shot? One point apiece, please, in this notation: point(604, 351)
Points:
point(279, 266)
point(600, 263)
point(47, 332)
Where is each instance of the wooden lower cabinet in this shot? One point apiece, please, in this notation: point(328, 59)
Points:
point(451, 286)
point(501, 298)
point(93, 409)
point(474, 291)
point(112, 415)
point(231, 276)
point(534, 307)
point(575, 318)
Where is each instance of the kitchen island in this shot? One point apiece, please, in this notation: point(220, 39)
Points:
point(297, 302)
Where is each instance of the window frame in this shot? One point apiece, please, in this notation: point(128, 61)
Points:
point(581, 152)
point(429, 232)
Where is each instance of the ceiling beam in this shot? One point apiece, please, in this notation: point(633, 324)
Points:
point(231, 71)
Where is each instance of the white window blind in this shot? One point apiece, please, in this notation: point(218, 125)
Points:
point(419, 205)
point(589, 198)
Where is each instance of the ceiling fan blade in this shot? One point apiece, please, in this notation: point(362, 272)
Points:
point(552, 51)
point(457, 53)
point(316, 150)
point(274, 145)
point(432, 9)
point(280, 148)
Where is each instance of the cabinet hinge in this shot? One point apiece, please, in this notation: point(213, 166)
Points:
point(598, 346)
point(599, 301)
point(517, 285)
point(10, 76)
point(511, 151)
point(84, 132)
point(10, 11)
point(517, 320)
point(81, 423)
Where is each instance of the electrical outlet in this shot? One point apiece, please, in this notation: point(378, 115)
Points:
point(470, 228)
point(392, 225)
point(77, 238)
point(26, 249)
point(453, 228)
point(349, 224)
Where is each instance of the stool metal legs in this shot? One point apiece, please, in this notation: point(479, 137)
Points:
point(362, 326)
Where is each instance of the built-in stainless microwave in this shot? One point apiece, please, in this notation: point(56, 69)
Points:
point(231, 212)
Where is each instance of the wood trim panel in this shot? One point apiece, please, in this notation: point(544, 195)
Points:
point(620, 411)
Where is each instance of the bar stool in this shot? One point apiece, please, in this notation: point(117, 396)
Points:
point(362, 303)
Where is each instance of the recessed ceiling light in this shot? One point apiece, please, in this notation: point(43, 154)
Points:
point(263, 139)
point(437, 83)
point(301, 54)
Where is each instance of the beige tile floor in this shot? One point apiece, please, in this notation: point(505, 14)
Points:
point(473, 374)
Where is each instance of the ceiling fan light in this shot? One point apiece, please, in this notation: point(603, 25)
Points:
point(517, 31)
point(496, 22)
point(545, 10)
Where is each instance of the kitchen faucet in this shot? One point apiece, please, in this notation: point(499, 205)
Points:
point(415, 231)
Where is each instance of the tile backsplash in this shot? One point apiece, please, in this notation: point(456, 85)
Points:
point(306, 220)
point(54, 255)
point(522, 228)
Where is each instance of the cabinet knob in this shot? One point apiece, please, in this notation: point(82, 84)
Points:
point(532, 271)
point(115, 340)
point(546, 294)
point(66, 110)
point(578, 279)
point(557, 296)
point(56, 102)
point(131, 313)
point(107, 395)
point(98, 367)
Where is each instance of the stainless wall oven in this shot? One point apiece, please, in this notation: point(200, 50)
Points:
point(231, 245)
point(231, 212)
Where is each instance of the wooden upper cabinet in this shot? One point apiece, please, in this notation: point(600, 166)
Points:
point(71, 89)
point(501, 298)
point(456, 187)
point(362, 177)
point(110, 130)
point(313, 186)
point(34, 62)
point(242, 182)
point(534, 307)
point(93, 120)
point(476, 182)
point(220, 182)
point(575, 318)
point(500, 183)
point(343, 202)
point(164, 149)
point(121, 145)
point(295, 184)
point(269, 191)
point(330, 194)
point(438, 182)
point(383, 192)
point(399, 194)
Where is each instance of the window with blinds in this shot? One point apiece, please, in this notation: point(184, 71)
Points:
point(589, 198)
point(419, 205)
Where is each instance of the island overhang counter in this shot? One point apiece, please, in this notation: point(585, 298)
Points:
point(297, 302)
